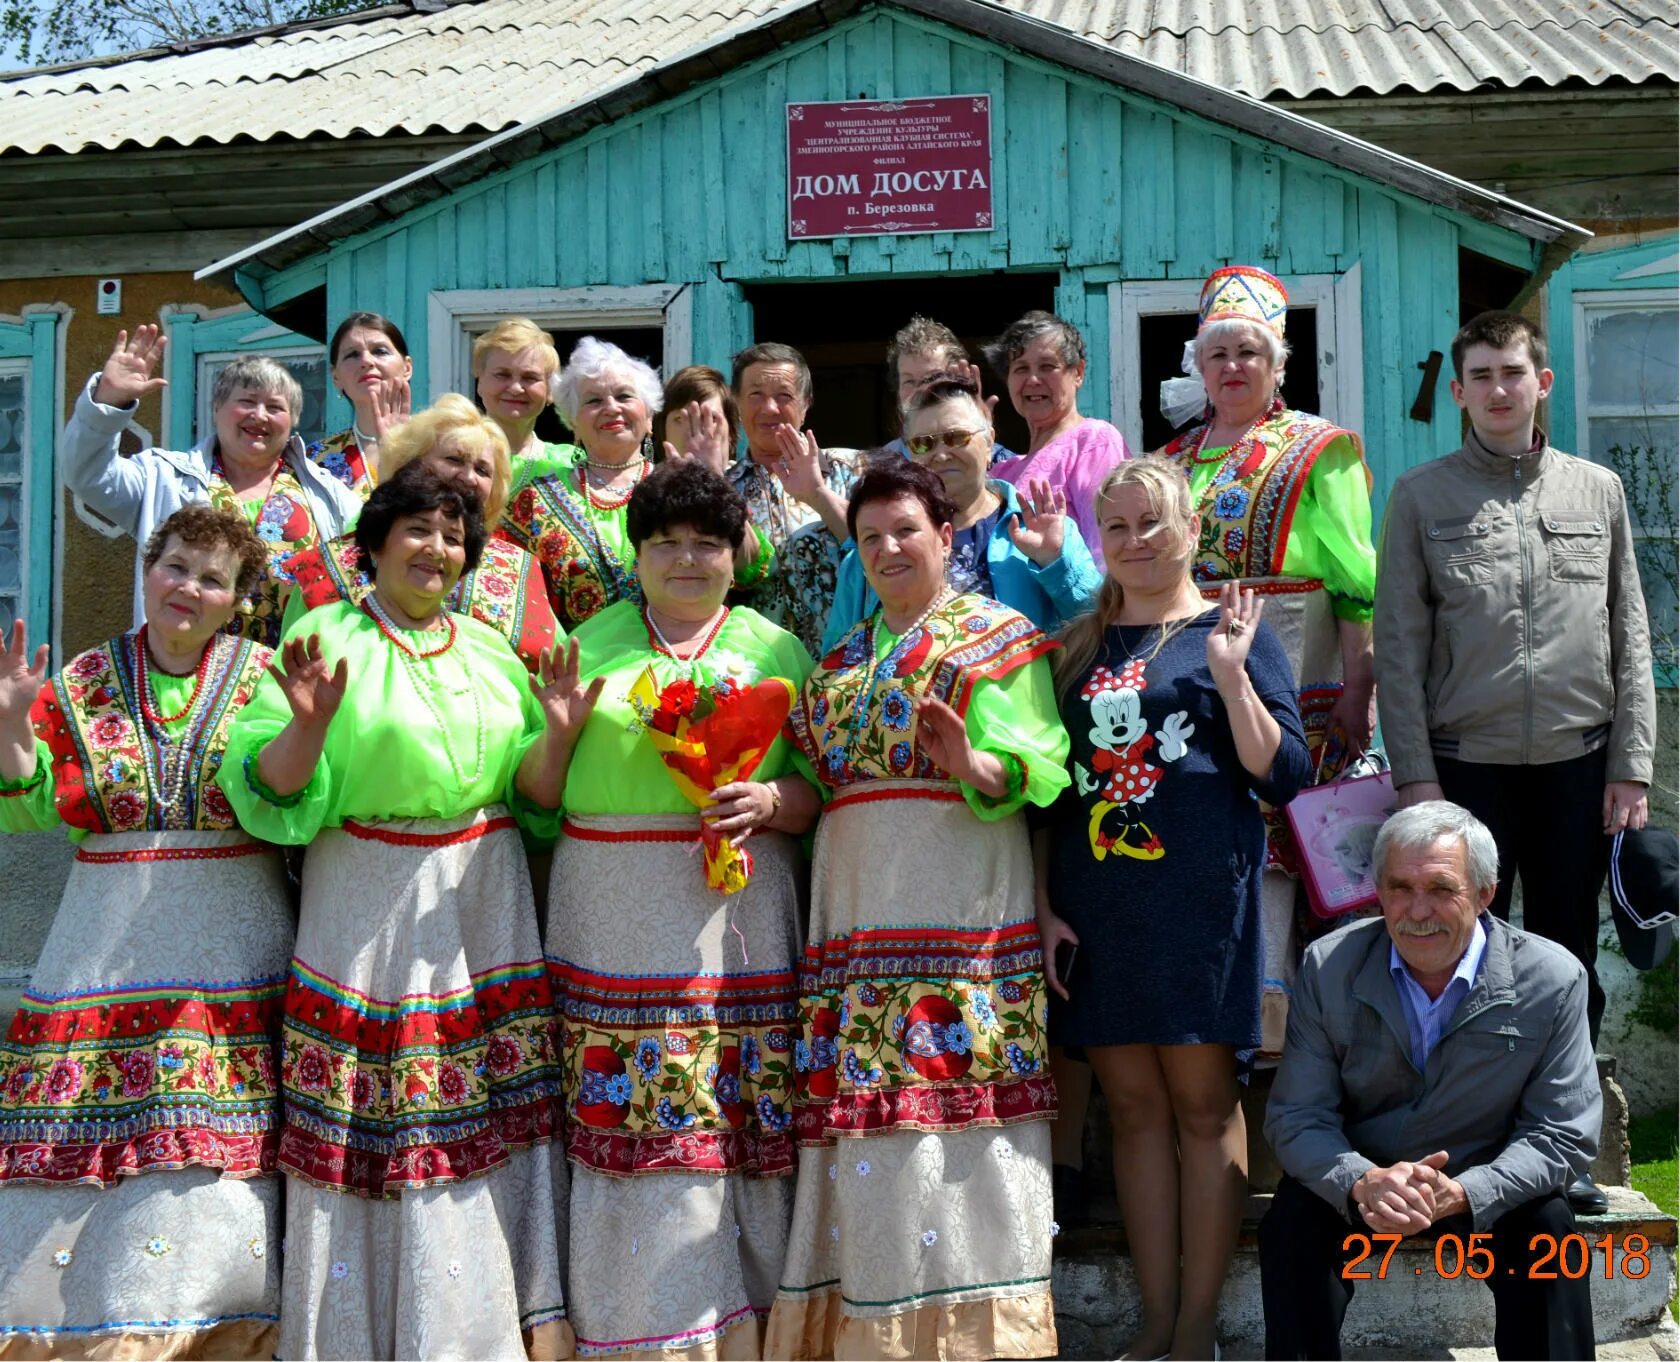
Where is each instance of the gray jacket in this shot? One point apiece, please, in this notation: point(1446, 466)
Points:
point(1511, 1092)
point(1510, 627)
point(139, 493)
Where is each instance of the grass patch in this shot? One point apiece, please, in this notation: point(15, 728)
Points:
point(1652, 1142)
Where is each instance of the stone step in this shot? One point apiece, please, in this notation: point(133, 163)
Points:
point(1415, 1312)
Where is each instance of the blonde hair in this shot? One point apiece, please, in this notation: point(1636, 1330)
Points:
point(452, 421)
point(1168, 490)
point(514, 334)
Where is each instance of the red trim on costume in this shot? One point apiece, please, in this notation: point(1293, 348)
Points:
point(769, 988)
point(581, 834)
point(959, 1107)
point(314, 578)
point(385, 1030)
point(172, 854)
point(157, 1151)
point(1265, 587)
point(368, 833)
point(866, 795)
point(377, 1174)
point(734, 1151)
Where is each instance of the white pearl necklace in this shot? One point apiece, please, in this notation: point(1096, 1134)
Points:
point(685, 665)
point(422, 681)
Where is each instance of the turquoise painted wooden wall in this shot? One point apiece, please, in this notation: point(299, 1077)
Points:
point(1090, 180)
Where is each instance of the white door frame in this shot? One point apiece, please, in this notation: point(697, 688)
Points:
point(1340, 342)
point(452, 315)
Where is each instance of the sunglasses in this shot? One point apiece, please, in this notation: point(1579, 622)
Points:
point(923, 445)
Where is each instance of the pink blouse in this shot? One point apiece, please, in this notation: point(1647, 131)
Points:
point(1076, 461)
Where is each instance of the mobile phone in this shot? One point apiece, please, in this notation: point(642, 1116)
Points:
point(1066, 953)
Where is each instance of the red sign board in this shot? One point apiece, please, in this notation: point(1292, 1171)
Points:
point(876, 167)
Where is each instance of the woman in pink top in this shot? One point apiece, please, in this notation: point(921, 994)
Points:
point(1042, 360)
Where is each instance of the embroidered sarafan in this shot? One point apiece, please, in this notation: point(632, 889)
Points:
point(583, 556)
point(505, 591)
point(383, 1096)
point(340, 456)
point(666, 1072)
point(104, 1083)
point(112, 770)
point(922, 1029)
point(1248, 508)
point(286, 526)
point(854, 721)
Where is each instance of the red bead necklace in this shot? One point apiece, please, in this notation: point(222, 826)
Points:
point(391, 632)
point(143, 683)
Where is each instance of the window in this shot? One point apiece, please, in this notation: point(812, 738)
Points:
point(632, 316)
point(1627, 417)
point(14, 448)
point(1149, 321)
point(306, 363)
point(202, 342)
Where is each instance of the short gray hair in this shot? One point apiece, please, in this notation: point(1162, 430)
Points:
point(1224, 329)
point(1423, 824)
point(1002, 352)
point(260, 374)
point(592, 358)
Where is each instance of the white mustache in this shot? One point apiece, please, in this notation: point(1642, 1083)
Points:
point(1419, 929)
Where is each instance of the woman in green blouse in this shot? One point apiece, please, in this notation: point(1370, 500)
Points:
point(406, 746)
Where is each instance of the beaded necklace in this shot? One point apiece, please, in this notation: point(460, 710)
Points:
point(611, 499)
point(685, 665)
point(170, 761)
point(1235, 452)
point(906, 640)
point(422, 680)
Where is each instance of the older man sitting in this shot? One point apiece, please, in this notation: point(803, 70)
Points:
point(1438, 1076)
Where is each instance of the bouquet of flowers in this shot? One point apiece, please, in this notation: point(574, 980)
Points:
point(708, 736)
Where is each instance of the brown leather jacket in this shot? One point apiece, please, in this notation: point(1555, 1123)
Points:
point(1509, 625)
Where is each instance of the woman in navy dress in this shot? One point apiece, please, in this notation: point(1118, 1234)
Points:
point(1179, 715)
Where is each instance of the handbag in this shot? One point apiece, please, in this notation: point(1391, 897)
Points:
point(1335, 829)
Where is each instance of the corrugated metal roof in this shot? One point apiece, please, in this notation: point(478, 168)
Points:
point(485, 65)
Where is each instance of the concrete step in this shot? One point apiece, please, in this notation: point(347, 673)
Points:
point(1413, 1313)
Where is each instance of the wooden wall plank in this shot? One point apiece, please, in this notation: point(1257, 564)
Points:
point(773, 164)
point(655, 204)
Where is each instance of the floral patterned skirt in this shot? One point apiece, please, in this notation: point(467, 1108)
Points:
point(138, 1112)
point(419, 1083)
point(922, 1222)
point(677, 1007)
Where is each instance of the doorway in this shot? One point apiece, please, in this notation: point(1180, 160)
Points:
point(843, 328)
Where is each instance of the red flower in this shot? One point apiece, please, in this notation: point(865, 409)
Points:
point(596, 1093)
point(137, 1071)
point(824, 1081)
point(127, 810)
point(215, 804)
point(939, 1012)
point(313, 1070)
point(679, 697)
point(87, 666)
point(110, 729)
point(503, 1055)
point(452, 1084)
point(363, 1089)
point(915, 656)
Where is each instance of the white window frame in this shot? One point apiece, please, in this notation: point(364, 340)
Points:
point(24, 367)
point(206, 362)
point(455, 316)
point(1335, 297)
point(1590, 301)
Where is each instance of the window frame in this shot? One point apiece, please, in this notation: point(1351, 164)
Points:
point(206, 363)
point(454, 317)
point(194, 331)
point(1584, 303)
point(1336, 298)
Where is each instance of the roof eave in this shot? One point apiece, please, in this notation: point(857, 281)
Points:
point(983, 18)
